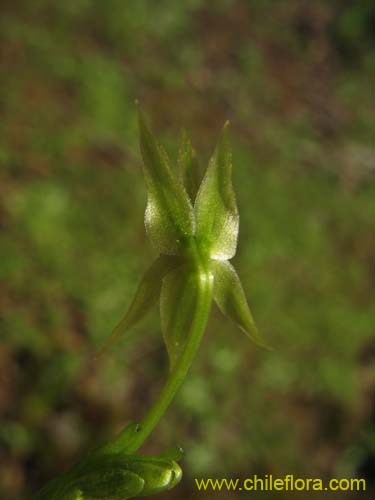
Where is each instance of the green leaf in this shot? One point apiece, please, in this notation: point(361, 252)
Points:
point(188, 166)
point(169, 217)
point(113, 476)
point(230, 297)
point(215, 207)
point(109, 484)
point(177, 305)
point(146, 295)
point(120, 476)
point(159, 474)
point(174, 454)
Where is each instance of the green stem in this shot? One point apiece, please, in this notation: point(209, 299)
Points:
point(177, 376)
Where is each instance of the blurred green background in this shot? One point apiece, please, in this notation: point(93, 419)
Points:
point(294, 78)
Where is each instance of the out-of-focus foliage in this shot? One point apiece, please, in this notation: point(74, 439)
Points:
point(294, 78)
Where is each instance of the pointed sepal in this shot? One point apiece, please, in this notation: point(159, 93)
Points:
point(188, 166)
point(215, 206)
point(169, 217)
point(231, 300)
point(145, 297)
point(178, 301)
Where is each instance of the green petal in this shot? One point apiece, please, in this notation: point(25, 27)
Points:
point(188, 166)
point(215, 207)
point(169, 217)
point(146, 295)
point(230, 297)
point(177, 305)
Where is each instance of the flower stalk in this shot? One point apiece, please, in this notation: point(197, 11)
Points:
point(203, 306)
point(194, 230)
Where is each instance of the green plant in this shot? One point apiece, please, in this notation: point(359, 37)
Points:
point(194, 230)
